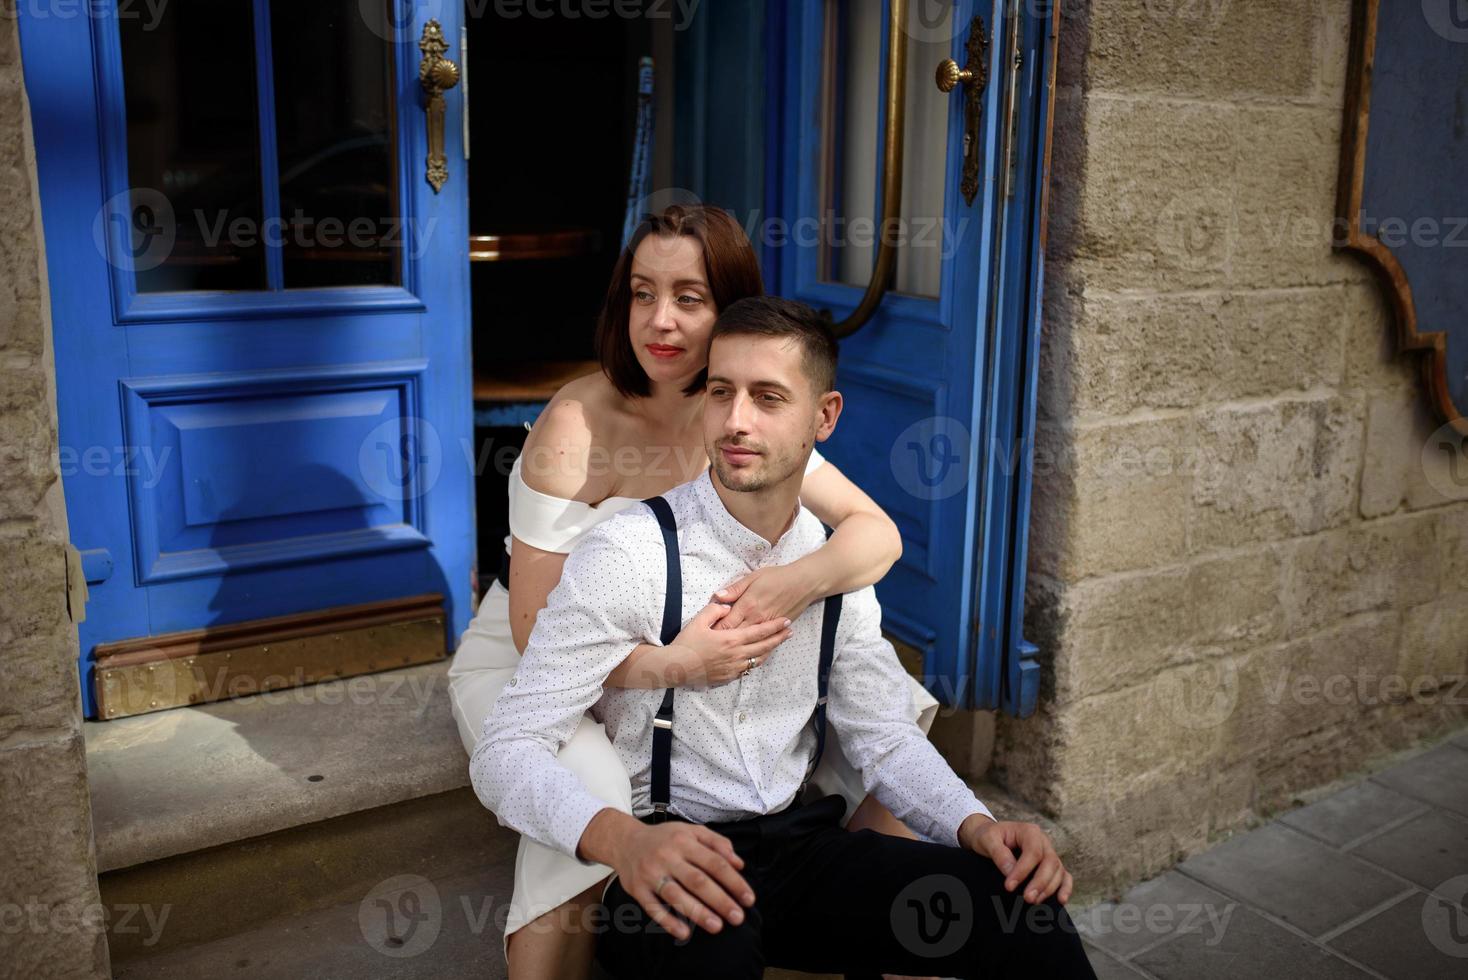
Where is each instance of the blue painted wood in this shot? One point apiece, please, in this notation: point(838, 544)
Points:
point(1020, 692)
point(269, 153)
point(910, 445)
point(640, 173)
point(320, 441)
point(719, 132)
point(1414, 197)
point(96, 565)
point(417, 231)
point(940, 393)
point(1009, 674)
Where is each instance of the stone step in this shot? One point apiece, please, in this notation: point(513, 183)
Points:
point(322, 831)
point(183, 780)
point(294, 875)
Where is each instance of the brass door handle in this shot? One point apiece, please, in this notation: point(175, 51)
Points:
point(437, 75)
point(974, 77)
point(949, 75)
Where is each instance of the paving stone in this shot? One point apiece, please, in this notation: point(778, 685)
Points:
point(1415, 939)
point(1307, 884)
point(1342, 817)
point(1460, 740)
point(1426, 850)
point(1439, 776)
point(1166, 905)
point(1250, 946)
point(1108, 968)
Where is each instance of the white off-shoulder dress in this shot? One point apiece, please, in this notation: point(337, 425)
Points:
point(486, 659)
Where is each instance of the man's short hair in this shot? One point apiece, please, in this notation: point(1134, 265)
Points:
point(771, 316)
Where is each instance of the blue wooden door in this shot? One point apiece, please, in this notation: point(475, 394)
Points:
point(260, 309)
point(939, 384)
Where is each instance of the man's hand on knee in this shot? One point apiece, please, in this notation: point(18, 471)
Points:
point(998, 840)
point(679, 866)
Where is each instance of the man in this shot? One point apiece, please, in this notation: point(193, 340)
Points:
point(729, 869)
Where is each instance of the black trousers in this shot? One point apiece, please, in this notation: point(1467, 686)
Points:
point(860, 903)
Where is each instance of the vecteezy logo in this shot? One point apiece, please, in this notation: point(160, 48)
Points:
point(141, 224)
point(401, 917)
point(1445, 462)
point(1447, 18)
point(1443, 919)
point(1199, 696)
point(933, 916)
point(930, 458)
point(931, 21)
point(401, 458)
point(393, 22)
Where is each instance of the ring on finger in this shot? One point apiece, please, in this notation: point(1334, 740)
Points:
point(658, 891)
point(752, 664)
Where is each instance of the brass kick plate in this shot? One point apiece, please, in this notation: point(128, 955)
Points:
point(155, 673)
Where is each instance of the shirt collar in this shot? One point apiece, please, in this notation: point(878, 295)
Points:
point(747, 544)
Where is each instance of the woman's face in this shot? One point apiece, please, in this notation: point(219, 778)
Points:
point(673, 309)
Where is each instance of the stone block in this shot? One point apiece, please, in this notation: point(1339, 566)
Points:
point(49, 871)
point(1288, 168)
point(27, 441)
point(1336, 676)
point(1117, 495)
point(1157, 211)
point(1121, 630)
point(1392, 563)
point(1411, 459)
point(1334, 51)
point(1272, 471)
point(1453, 546)
point(1181, 351)
point(41, 689)
point(35, 586)
point(1434, 650)
point(1372, 359)
point(1209, 48)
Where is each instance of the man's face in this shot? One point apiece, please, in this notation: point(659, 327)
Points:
point(762, 417)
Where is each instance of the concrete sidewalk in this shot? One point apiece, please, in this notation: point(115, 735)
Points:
point(1371, 881)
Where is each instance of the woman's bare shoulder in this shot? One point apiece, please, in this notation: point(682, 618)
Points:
point(579, 422)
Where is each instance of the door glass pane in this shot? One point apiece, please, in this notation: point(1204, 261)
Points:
point(335, 139)
point(851, 155)
point(924, 240)
point(850, 120)
point(193, 151)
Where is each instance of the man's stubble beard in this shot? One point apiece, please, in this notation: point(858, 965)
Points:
point(741, 482)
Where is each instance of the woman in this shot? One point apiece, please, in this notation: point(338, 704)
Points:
point(605, 442)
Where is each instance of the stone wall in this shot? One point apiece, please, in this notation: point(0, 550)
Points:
point(1235, 540)
point(50, 915)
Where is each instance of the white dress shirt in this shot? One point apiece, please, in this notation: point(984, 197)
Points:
point(740, 749)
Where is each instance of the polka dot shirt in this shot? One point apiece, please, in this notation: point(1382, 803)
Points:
point(739, 749)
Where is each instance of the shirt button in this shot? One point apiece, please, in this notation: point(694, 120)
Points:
point(743, 716)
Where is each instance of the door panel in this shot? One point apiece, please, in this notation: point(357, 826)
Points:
point(260, 312)
point(936, 381)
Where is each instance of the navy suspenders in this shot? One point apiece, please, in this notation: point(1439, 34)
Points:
point(662, 724)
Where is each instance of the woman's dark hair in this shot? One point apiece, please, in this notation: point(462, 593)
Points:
point(733, 274)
